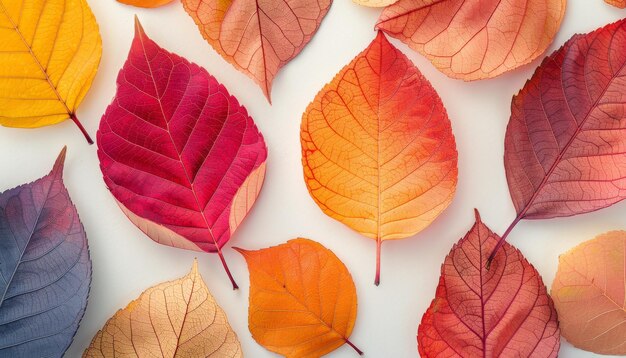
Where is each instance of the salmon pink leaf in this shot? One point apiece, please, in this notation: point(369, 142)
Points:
point(258, 37)
point(503, 311)
point(473, 40)
point(180, 155)
point(618, 3)
point(45, 270)
point(565, 149)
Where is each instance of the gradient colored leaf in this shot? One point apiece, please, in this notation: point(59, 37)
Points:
point(619, 3)
point(375, 3)
point(564, 147)
point(180, 155)
point(503, 311)
point(45, 270)
point(302, 299)
point(472, 40)
point(145, 3)
point(49, 55)
point(179, 318)
point(377, 147)
point(258, 37)
point(589, 293)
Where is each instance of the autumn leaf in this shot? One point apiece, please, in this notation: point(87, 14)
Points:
point(375, 3)
point(145, 3)
point(49, 55)
point(503, 311)
point(45, 270)
point(564, 145)
point(472, 41)
point(377, 148)
point(302, 299)
point(179, 318)
point(619, 3)
point(180, 155)
point(589, 293)
point(258, 37)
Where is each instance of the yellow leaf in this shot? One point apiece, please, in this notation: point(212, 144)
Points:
point(173, 319)
point(49, 55)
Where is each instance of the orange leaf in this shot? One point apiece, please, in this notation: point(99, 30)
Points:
point(377, 147)
point(619, 3)
point(145, 3)
point(589, 293)
point(258, 37)
point(302, 299)
point(468, 40)
point(173, 319)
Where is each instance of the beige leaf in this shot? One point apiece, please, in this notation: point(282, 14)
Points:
point(179, 318)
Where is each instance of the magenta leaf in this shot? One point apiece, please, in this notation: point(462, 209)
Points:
point(180, 155)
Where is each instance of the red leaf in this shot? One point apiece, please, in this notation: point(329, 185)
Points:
point(503, 311)
point(181, 156)
point(565, 144)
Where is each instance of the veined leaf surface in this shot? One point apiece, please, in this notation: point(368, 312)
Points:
point(503, 311)
point(377, 147)
point(49, 55)
point(473, 40)
point(180, 155)
point(302, 299)
point(174, 319)
point(45, 270)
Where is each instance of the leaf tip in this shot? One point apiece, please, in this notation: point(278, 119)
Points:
point(243, 252)
point(138, 27)
point(60, 162)
point(477, 215)
point(194, 267)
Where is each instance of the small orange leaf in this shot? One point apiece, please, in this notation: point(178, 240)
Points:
point(145, 3)
point(589, 292)
point(173, 319)
point(302, 299)
point(377, 147)
point(473, 40)
point(618, 3)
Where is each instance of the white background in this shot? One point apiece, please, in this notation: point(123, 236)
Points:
point(126, 262)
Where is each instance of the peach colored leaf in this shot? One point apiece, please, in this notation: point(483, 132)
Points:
point(179, 318)
point(503, 311)
point(618, 3)
point(145, 3)
point(302, 299)
point(377, 147)
point(375, 3)
point(472, 40)
point(589, 293)
point(180, 155)
point(258, 37)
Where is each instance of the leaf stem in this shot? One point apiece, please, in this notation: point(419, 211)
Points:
point(82, 129)
point(379, 243)
point(230, 276)
point(360, 352)
point(502, 240)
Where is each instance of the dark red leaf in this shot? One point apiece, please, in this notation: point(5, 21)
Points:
point(503, 311)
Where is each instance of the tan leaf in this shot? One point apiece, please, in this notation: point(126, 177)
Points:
point(179, 318)
point(589, 292)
